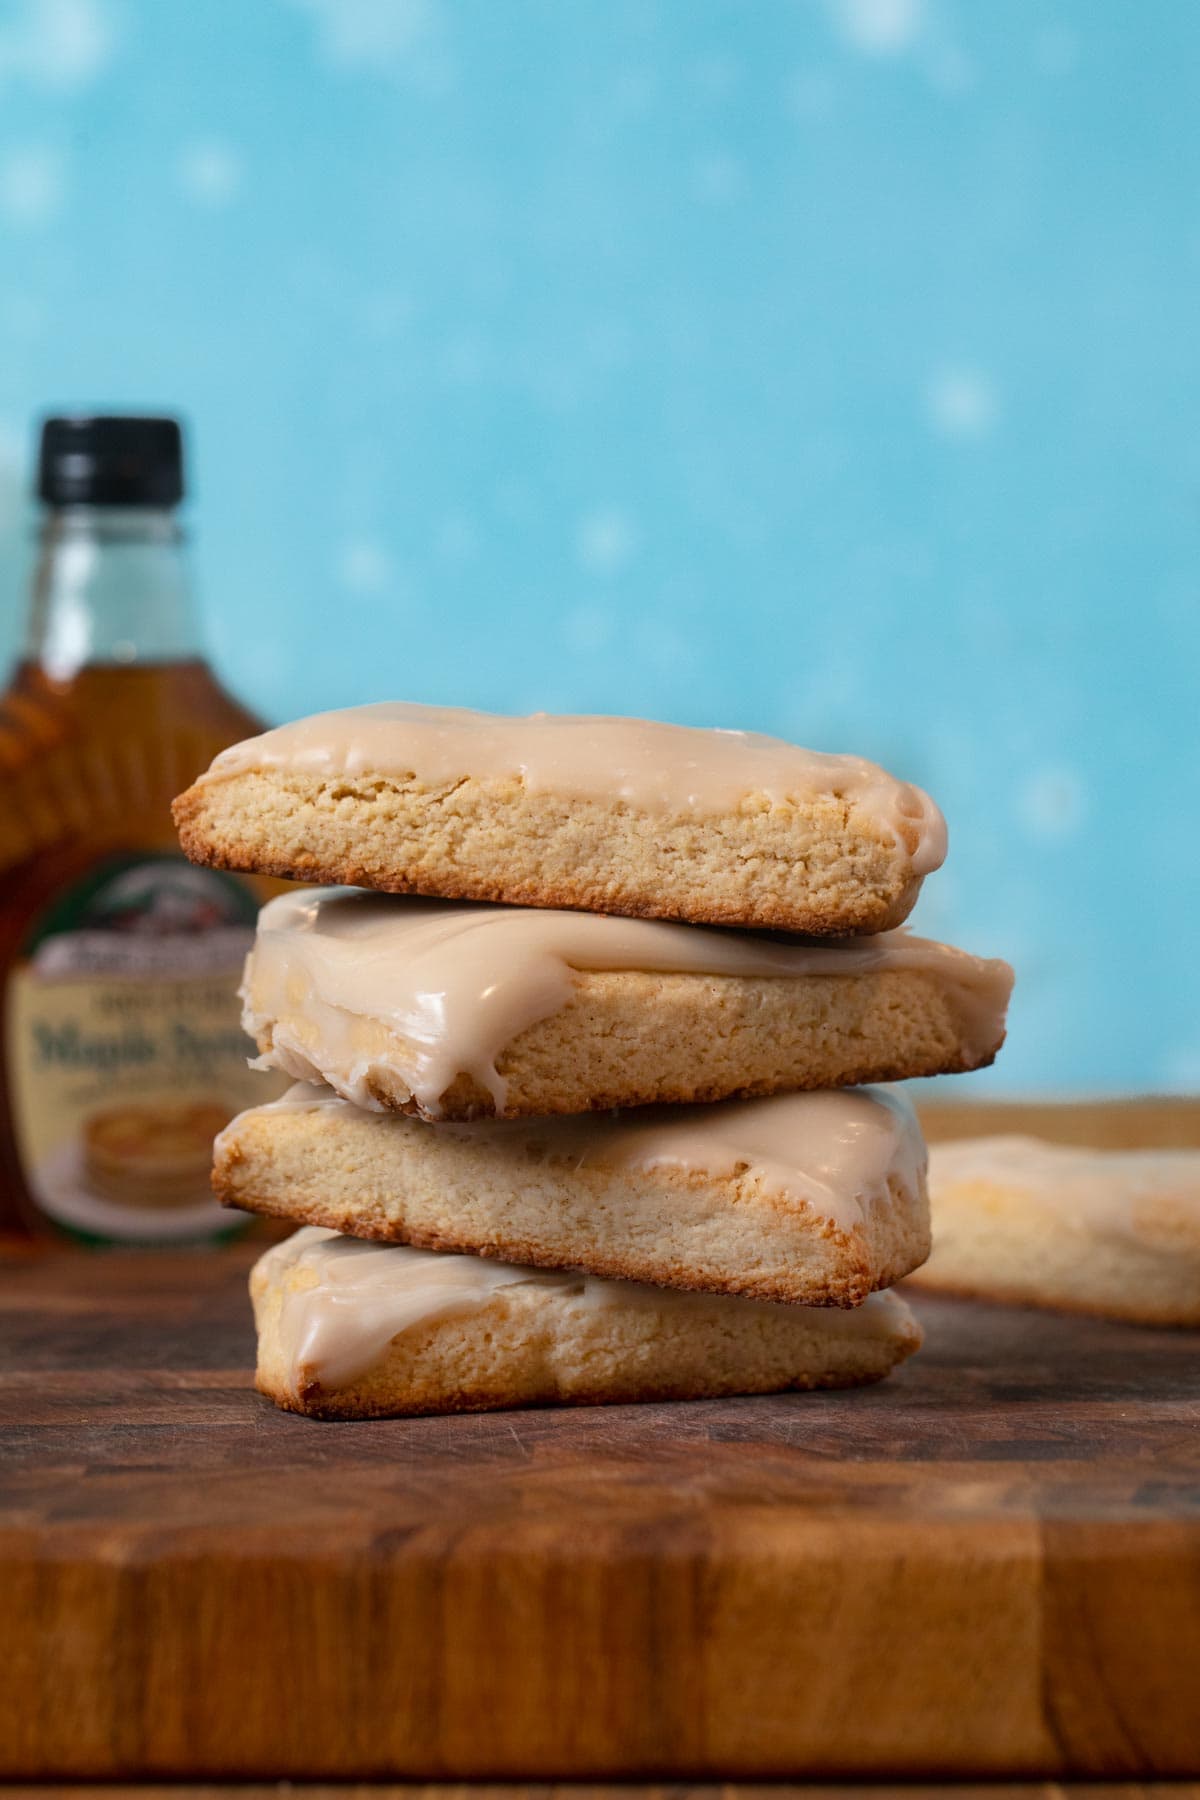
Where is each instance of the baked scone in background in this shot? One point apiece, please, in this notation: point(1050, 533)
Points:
point(1111, 1232)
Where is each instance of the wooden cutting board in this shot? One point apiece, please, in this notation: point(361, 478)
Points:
point(988, 1566)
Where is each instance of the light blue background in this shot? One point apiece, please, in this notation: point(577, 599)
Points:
point(829, 369)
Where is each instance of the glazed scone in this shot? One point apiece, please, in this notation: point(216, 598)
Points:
point(1114, 1232)
point(466, 1011)
point(348, 1330)
point(606, 815)
point(815, 1199)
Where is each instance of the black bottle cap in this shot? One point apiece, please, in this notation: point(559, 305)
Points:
point(110, 460)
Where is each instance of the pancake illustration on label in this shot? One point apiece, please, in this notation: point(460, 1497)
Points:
point(124, 1049)
point(155, 1156)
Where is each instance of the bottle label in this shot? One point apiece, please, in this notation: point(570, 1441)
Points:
point(125, 1049)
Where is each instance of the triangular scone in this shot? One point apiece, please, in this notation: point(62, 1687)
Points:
point(348, 1330)
point(816, 1199)
point(609, 815)
point(1114, 1232)
point(464, 1011)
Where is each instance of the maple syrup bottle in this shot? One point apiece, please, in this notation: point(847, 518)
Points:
point(119, 961)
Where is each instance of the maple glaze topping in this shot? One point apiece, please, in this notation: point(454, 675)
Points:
point(653, 767)
point(351, 983)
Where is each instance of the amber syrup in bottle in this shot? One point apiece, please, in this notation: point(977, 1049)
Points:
point(122, 1052)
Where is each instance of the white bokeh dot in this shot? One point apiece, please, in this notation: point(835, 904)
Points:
point(962, 403)
point(364, 566)
point(399, 38)
point(32, 185)
point(606, 541)
point(210, 172)
point(880, 27)
point(1053, 803)
point(61, 46)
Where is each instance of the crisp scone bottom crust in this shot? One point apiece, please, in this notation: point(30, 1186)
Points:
point(848, 1288)
point(493, 842)
point(465, 1100)
point(350, 1403)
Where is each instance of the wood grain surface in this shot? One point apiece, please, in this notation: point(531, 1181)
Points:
point(778, 1790)
point(986, 1567)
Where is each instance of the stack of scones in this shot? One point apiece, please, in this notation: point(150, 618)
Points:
point(581, 1111)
